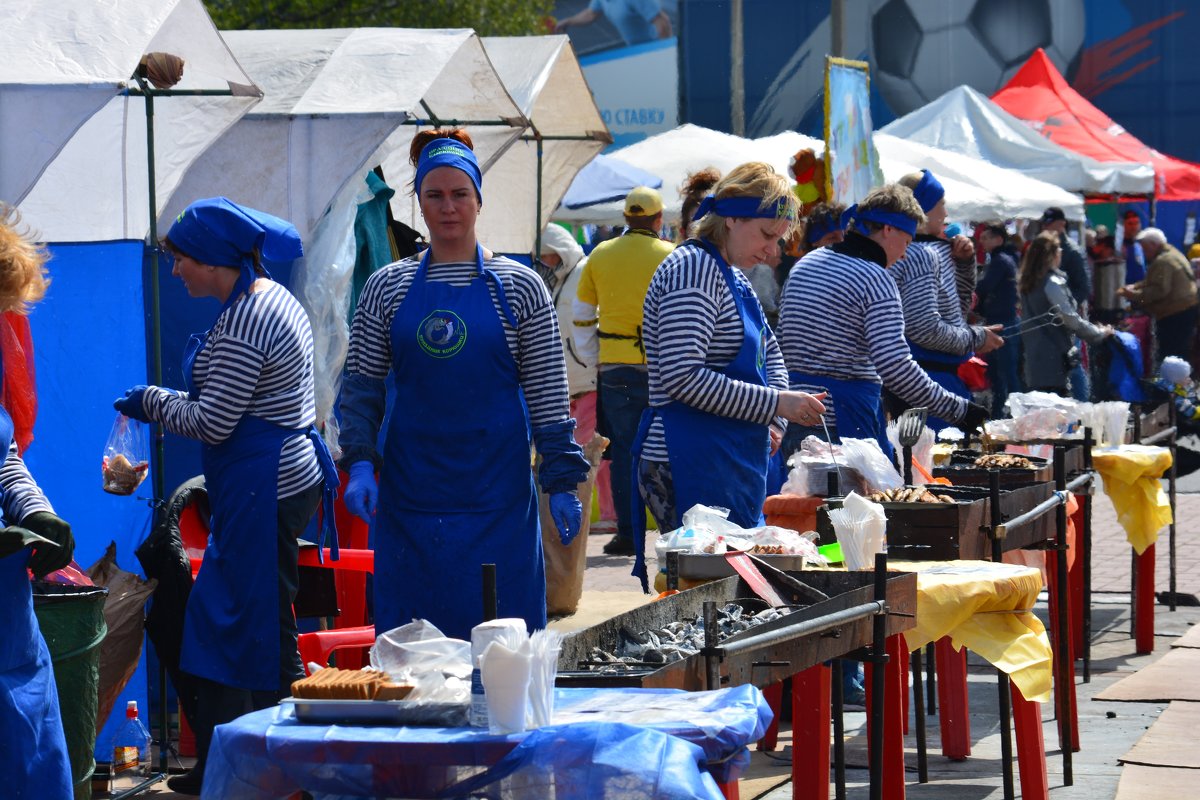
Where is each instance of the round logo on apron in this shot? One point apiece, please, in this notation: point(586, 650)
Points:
point(442, 334)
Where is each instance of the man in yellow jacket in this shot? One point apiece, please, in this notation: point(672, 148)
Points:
point(1168, 294)
point(608, 322)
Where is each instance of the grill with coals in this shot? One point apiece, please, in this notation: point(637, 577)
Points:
point(802, 634)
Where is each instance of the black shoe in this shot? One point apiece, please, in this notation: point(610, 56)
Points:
point(619, 546)
point(187, 783)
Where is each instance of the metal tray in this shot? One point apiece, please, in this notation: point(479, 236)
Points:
point(709, 565)
point(377, 712)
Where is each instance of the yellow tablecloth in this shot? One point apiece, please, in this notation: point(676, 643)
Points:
point(1132, 474)
point(988, 608)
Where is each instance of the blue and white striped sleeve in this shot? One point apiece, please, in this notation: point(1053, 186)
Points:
point(363, 397)
point(894, 362)
point(916, 277)
point(21, 494)
point(687, 316)
point(540, 358)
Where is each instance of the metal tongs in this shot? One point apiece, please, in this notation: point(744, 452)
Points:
point(1046, 320)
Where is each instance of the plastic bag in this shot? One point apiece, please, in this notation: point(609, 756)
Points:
point(877, 470)
point(861, 529)
point(126, 456)
point(438, 667)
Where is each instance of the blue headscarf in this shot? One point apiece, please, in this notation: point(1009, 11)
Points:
point(929, 191)
point(746, 208)
point(448, 152)
point(221, 233)
point(880, 217)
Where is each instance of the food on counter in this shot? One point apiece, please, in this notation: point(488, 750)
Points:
point(1004, 461)
point(121, 476)
point(909, 494)
point(332, 683)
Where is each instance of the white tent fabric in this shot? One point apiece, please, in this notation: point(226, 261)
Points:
point(74, 158)
point(964, 121)
point(544, 78)
point(672, 156)
point(975, 189)
point(333, 99)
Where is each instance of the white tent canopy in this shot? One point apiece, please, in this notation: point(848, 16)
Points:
point(333, 99)
point(544, 78)
point(74, 157)
point(673, 155)
point(975, 189)
point(964, 121)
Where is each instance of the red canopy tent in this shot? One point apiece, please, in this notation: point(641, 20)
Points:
point(1040, 95)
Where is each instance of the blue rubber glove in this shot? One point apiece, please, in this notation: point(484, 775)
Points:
point(567, 512)
point(362, 493)
point(131, 404)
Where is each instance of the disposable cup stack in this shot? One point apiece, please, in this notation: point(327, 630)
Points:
point(861, 530)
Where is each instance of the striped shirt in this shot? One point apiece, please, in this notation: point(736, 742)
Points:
point(258, 360)
point(535, 343)
point(840, 316)
point(933, 315)
point(692, 331)
point(19, 493)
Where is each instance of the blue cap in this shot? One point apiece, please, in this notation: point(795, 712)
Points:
point(929, 191)
point(221, 233)
point(448, 152)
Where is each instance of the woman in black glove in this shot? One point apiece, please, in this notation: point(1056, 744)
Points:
point(33, 752)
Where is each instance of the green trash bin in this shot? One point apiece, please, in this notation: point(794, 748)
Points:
point(72, 622)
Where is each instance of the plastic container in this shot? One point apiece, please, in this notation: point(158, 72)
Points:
point(72, 621)
point(482, 635)
point(130, 751)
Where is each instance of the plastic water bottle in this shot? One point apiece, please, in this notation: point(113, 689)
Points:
point(130, 751)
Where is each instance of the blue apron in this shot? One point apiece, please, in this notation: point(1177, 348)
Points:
point(715, 460)
point(456, 488)
point(33, 750)
point(857, 404)
point(943, 369)
point(231, 625)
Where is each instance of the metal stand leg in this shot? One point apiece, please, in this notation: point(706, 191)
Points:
point(1065, 687)
point(1171, 478)
point(919, 718)
point(839, 732)
point(1006, 765)
point(810, 733)
point(930, 681)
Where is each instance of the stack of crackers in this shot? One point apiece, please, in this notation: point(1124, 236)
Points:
point(332, 683)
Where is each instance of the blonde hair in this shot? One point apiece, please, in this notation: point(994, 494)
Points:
point(753, 179)
point(894, 197)
point(23, 280)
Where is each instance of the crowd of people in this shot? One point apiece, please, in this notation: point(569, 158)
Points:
point(705, 360)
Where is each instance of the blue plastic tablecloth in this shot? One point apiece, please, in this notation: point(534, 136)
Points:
point(659, 743)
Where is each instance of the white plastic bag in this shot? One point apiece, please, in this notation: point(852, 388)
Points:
point(878, 472)
point(438, 667)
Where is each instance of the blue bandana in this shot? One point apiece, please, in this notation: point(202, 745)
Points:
point(821, 227)
point(929, 191)
point(745, 208)
point(448, 153)
point(221, 233)
point(880, 217)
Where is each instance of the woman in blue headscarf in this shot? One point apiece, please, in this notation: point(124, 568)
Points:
point(249, 400)
point(719, 398)
point(472, 345)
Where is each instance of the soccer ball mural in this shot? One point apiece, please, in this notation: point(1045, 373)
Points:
point(923, 48)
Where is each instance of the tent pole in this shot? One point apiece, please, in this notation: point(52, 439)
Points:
point(537, 237)
point(155, 300)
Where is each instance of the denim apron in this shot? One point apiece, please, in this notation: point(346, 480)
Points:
point(231, 625)
point(857, 404)
point(33, 751)
point(456, 488)
point(715, 460)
